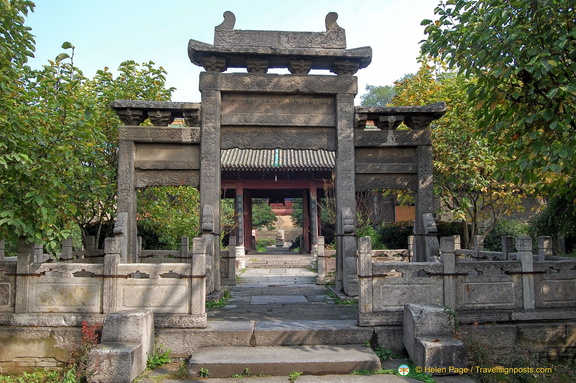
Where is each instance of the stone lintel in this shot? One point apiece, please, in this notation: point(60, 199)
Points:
point(273, 83)
point(167, 178)
point(381, 138)
point(161, 113)
point(166, 135)
point(415, 117)
point(219, 59)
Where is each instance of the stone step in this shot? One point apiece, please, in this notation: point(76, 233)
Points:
point(184, 342)
point(224, 362)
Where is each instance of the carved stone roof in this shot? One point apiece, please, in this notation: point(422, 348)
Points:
point(299, 52)
point(277, 159)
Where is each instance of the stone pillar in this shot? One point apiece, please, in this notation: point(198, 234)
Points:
point(212, 241)
point(112, 248)
point(90, 245)
point(2, 247)
point(321, 262)
point(66, 253)
point(431, 245)
point(198, 284)
point(23, 269)
point(346, 271)
point(184, 247)
point(228, 268)
point(507, 246)
point(478, 245)
point(127, 202)
point(545, 249)
point(524, 247)
point(39, 256)
point(210, 188)
point(365, 274)
point(449, 262)
point(424, 199)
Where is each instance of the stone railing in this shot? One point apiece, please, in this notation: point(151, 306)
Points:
point(89, 254)
point(27, 286)
point(512, 285)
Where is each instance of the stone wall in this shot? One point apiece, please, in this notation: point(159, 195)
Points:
point(464, 284)
point(29, 287)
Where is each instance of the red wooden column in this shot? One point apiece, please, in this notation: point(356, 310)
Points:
point(306, 219)
point(248, 220)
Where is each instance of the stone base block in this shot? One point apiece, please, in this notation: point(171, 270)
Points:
point(439, 354)
point(115, 363)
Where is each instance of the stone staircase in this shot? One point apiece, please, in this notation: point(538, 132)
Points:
point(278, 348)
point(279, 258)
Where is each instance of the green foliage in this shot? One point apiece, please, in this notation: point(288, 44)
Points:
point(466, 165)
point(263, 244)
point(159, 358)
point(223, 301)
point(58, 150)
point(557, 220)
point(522, 55)
point(515, 228)
point(203, 373)
point(262, 214)
point(369, 231)
point(377, 95)
point(395, 235)
point(293, 376)
point(170, 212)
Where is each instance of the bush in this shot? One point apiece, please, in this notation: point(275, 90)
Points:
point(369, 231)
point(395, 235)
point(515, 228)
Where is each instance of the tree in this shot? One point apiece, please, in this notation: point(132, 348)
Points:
point(377, 95)
point(522, 55)
point(465, 165)
point(58, 144)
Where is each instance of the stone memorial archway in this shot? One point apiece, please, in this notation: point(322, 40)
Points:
point(297, 111)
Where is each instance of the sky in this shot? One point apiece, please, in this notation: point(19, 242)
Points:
point(108, 32)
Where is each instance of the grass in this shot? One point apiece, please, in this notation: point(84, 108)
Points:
point(339, 301)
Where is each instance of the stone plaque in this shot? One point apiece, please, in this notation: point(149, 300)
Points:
point(278, 110)
point(493, 293)
point(167, 156)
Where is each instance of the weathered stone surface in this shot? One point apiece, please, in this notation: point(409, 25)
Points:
point(155, 135)
point(145, 178)
point(245, 137)
point(428, 338)
point(226, 36)
point(114, 363)
point(415, 117)
point(273, 333)
point(320, 360)
point(390, 337)
point(184, 342)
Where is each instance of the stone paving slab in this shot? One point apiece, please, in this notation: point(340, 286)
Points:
point(281, 360)
point(266, 299)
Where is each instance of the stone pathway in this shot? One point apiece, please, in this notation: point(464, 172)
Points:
point(280, 294)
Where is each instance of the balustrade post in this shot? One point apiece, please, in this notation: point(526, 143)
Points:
point(545, 249)
point(447, 248)
point(524, 247)
point(113, 249)
point(198, 281)
point(507, 246)
point(23, 279)
point(365, 274)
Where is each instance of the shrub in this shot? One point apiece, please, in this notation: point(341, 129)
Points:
point(395, 235)
point(515, 228)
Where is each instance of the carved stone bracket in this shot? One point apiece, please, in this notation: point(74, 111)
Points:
point(300, 66)
point(207, 218)
point(257, 65)
point(347, 221)
point(160, 117)
point(214, 63)
point(415, 117)
point(161, 113)
point(345, 67)
point(131, 117)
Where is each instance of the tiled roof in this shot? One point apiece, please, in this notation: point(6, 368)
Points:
point(270, 159)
